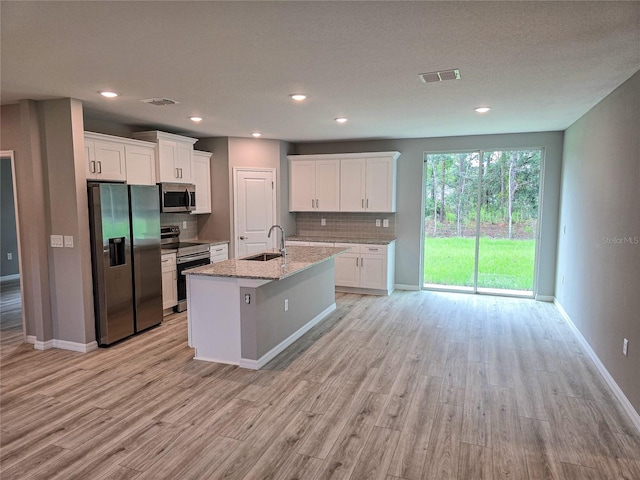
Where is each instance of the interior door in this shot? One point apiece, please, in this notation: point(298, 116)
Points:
point(254, 210)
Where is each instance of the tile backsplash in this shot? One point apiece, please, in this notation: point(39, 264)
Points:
point(188, 233)
point(347, 225)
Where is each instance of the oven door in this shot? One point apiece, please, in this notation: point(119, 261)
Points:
point(185, 262)
point(177, 197)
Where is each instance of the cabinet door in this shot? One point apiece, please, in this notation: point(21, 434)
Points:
point(141, 165)
point(328, 185)
point(169, 281)
point(352, 185)
point(348, 270)
point(110, 162)
point(90, 158)
point(167, 153)
point(184, 157)
point(302, 185)
point(373, 271)
point(380, 185)
point(202, 181)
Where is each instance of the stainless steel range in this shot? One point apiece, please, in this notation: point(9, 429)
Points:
point(188, 255)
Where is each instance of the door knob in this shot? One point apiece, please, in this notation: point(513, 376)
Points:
point(243, 238)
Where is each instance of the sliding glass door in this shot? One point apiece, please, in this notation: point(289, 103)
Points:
point(481, 215)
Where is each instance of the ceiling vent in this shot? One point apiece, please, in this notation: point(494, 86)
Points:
point(432, 77)
point(159, 102)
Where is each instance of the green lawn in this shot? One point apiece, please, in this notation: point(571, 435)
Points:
point(505, 264)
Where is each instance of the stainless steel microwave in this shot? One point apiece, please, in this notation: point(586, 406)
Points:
point(177, 197)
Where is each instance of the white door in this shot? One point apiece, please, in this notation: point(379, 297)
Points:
point(302, 185)
point(255, 199)
point(373, 271)
point(379, 184)
point(352, 185)
point(328, 185)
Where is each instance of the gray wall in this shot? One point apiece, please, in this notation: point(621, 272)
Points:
point(8, 233)
point(599, 255)
point(409, 214)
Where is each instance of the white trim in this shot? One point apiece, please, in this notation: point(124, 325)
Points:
point(38, 345)
point(61, 344)
point(617, 391)
point(340, 156)
point(271, 354)
point(75, 346)
point(6, 278)
point(545, 298)
point(213, 360)
point(411, 288)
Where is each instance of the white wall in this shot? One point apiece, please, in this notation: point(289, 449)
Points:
point(599, 255)
point(409, 199)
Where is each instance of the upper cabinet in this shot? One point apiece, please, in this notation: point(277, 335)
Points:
point(173, 157)
point(363, 182)
point(202, 179)
point(119, 159)
point(314, 185)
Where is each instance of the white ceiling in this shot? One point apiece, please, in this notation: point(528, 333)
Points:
point(539, 65)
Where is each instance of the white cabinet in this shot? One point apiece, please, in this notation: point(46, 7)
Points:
point(349, 182)
point(173, 157)
point(368, 184)
point(119, 159)
point(314, 185)
point(202, 180)
point(219, 253)
point(367, 267)
point(169, 281)
point(141, 164)
point(105, 160)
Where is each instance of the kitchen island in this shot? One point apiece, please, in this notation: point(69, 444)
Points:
point(245, 312)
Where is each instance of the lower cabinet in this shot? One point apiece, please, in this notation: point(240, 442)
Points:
point(367, 267)
point(169, 281)
point(219, 253)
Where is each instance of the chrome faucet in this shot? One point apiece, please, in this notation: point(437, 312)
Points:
point(283, 250)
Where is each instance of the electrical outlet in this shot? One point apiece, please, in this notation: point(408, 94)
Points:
point(9, 256)
point(286, 304)
point(184, 224)
point(625, 347)
point(68, 241)
point(57, 241)
point(323, 222)
point(385, 223)
point(377, 222)
point(247, 298)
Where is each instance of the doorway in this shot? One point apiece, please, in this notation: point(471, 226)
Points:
point(254, 209)
point(481, 220)
point(11, 313)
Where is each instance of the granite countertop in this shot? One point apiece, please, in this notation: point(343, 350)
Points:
point(298, 259)
point(364, 241)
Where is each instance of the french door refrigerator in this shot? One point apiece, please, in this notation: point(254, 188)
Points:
point(125, 251)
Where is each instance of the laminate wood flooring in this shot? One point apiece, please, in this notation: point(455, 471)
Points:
point(417, 385)
point(10, 305)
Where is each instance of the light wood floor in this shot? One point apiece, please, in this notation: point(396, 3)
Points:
point(10, 305)
point(418, 385)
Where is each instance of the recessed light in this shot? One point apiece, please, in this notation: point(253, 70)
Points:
point(109, 94)
point(482, 109)
point(341, 120)
point(299, 97)
point(256, 134)
point(195, 119)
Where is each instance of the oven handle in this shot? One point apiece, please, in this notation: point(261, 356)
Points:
point(192, 257)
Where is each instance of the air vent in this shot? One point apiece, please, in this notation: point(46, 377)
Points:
point(432, 77)
point(159, 102)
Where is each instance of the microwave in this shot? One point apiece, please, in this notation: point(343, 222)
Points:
point(177, 197)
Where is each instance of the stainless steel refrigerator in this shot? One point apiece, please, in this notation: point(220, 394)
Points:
point(125, 252)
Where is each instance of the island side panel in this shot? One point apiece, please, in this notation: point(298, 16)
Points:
point(214, 318)
point(265, 324)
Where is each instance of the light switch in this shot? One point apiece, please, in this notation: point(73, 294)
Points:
point(57, 241)
point(68, 241)
point(385, 223)
point(377, 222)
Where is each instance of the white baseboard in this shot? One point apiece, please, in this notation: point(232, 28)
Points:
point(61, 344)
point(412, 288)
point(213, 360)
point(545, 298)
point(271, 354)
point(6, 278)
point(617, 391)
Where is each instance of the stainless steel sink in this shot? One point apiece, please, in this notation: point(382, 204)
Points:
point(263, 257)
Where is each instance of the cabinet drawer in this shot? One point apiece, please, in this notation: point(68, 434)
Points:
point(169, 261)
point(353, 247)
point(373, 249)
